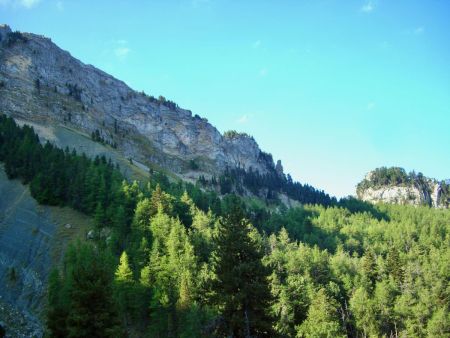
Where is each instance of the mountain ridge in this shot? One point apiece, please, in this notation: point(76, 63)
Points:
point(41, 83)
point(58, 88)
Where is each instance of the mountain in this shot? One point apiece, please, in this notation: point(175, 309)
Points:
point(74, 105)
point(44, 85)
point(100, 237)
point(41, 82)
point(394, 185)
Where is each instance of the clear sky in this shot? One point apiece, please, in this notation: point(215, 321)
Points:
point(332, 88)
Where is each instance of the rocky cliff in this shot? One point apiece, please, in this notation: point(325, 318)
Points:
point(40, 82)
point(394, 185)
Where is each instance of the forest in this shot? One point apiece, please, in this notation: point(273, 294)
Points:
point(266, 186)
point(172, 259)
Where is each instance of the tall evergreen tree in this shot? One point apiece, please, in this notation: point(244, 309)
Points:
point(92, 310)
point(124, 289)
point(323, 320)
point(394, 266)
point(56, 310)
point(369, 269)
point(242, 291)
point(123, 272)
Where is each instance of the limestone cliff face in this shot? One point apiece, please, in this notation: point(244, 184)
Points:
point(428, 192)
point(41, 82)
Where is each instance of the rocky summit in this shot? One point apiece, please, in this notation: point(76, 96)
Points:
point(40, 82)
point(394, 185)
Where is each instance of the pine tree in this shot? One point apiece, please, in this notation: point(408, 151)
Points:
point(119, 220)
point(242, 291)
point(56, 311)
point(201, 233)
point(364, 312)
point(369, 269)
point(394, 266)
point(99, 216)
point(439, 324)
point(124, 289)
point(92, 310)
point(323, 320)
point(123, 272)
point(161, 199)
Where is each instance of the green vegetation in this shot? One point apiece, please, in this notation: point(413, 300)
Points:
point(81, 302)
point(169, 260)
point(161, 100)
point(193, 165)
point(267, 186)
point(96, 136)
point(231, 134)
point(241, 284)
point(74, 91)
point(390, 176)
point(15, 37)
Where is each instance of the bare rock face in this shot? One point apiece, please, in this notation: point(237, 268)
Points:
point(279, 168)
point(42, 83)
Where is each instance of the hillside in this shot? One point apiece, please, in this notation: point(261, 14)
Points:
point(33, 238)
point(194, 265)
point(123, 215)
point(40, 83)
point(394, 185)
point(57, 88)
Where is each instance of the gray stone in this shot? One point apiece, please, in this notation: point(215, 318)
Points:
point(43, 83)
point(90, 234)
point(427, 193)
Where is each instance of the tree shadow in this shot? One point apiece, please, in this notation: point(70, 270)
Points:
point(355, 205)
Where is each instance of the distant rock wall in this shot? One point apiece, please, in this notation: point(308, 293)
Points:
point(427, 193)
point(41, 82)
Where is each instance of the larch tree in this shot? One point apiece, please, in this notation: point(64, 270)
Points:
point(322, 320)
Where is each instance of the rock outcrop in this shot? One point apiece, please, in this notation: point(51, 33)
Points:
point(413, 190)
point(42, 83)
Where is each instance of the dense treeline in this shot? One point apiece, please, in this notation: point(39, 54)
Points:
point(95, 187)
point(14, 37)
point(267, 186)
point(197, 267)
point(391, 176)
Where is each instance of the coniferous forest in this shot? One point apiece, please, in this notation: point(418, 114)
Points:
point(172, 259)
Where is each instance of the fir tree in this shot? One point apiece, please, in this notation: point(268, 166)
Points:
point(394, 266)
point(323, 320)
point(124, 289)
point(241, 288)
point(56, 311)
point(123, 272)
point(92, 310)
point(370, 269)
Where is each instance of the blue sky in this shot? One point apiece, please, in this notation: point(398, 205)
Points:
point(332, 88)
